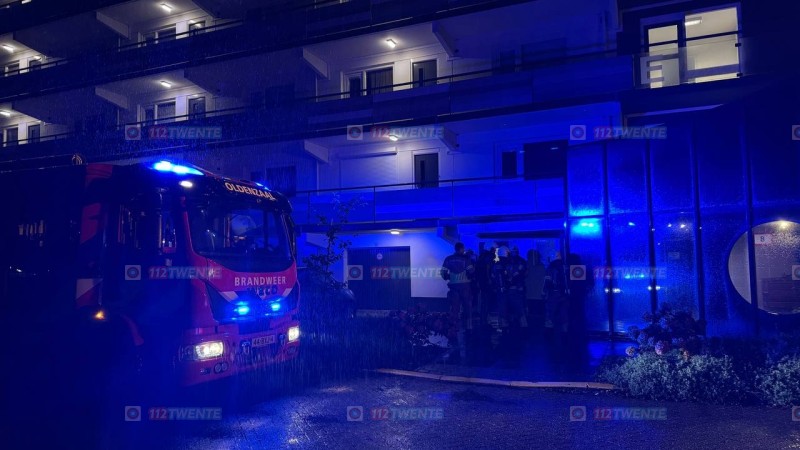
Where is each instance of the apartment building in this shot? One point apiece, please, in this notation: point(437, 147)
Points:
point(649, 139)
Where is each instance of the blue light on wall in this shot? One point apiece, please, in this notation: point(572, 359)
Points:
point(586, 227)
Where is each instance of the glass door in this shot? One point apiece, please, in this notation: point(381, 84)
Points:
point(662, 64)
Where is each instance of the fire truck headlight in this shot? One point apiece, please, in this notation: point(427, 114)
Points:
point(208, 350)
point(293, 334)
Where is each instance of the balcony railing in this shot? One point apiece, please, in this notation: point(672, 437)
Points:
point(457, 198)
point(546, 68)
point(106, 53)
point(648, 65)
point(36, 140)
point(694, 60)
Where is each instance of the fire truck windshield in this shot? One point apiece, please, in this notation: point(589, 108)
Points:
point(244, 237)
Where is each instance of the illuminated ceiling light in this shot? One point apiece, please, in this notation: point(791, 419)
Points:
point(37, 57)
point(393, 137)
point(166, 7)
point(191, 22)
point(25, 1)
point(8, 48)
point(391, 43)
point(631, 224)
point(166, 84)
point(5, 113)
point(394, 232)
point(683, 225)
point(691, 21)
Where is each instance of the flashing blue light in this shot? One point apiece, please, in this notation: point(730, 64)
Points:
point(166, 166)
point(631, 224)
point(587, 227)
point(261, 185)
point(242, 310)
point(275, 306)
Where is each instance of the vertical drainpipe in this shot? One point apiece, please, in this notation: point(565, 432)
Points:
point(607, 242)
point(751, 252)
point(566, 214)
point(698, 229)
point(651, 234)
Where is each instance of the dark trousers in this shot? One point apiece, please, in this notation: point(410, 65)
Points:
point(460, 295)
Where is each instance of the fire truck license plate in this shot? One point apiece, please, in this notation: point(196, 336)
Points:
point(263, 340)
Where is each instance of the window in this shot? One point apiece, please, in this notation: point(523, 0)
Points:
point(11, 136)
point(354, 85)
point(777, 272)
point(158, 113)
point(426, 170)
point(244, 233)
point(504, 61)
point(158, 36)
point(690, 48)
point(197, 107)
point(196, 26)
point(380, 81)
point(509, 164)
point(282, 179)
point(424, 73)
point(34, 133)
point(35, 63)
point(149, 113)
point(165, 110)
point(12, 68)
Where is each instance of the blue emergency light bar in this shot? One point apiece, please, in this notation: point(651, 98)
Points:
point(166, 166)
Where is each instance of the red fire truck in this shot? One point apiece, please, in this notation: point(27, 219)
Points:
point(191, 273)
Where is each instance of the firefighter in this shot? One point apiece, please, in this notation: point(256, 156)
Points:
point(458, 270)
point(556, 296)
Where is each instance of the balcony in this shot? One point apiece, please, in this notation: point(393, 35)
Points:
point(449, 199)
point(545, 85)
point(280, 27)
point(697, 60)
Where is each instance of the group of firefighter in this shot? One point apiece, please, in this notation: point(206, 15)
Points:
point(498, 280)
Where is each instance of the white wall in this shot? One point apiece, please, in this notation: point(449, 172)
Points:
point(22, 121)
point(427, 251)
point(400, 61)
point(181, 97)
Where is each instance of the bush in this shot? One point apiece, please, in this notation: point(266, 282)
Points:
point(674, 376)
point(424, 328)
point(666, 330)
point(779, 384)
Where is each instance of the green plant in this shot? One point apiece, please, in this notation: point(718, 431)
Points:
point(673, 376)
point(779, 384)
point(322, 288)
point(424, 328)
point(666, 330)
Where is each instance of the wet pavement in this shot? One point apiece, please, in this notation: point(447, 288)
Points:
point(468, 416)
point(314, 404)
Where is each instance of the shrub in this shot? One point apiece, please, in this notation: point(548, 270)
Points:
point(424, 328)
point(675, 376)
point(668, 329)
point(779, 384)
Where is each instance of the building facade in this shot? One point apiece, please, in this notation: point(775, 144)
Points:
point(653, 142)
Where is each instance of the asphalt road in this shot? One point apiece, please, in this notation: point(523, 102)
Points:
point(461, 416)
